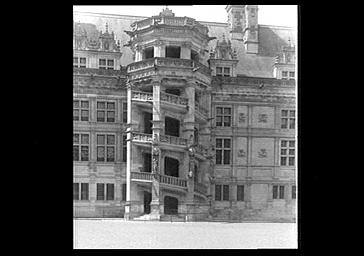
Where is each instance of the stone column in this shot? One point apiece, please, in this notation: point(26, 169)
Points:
point(128, 214)
point(186, 50)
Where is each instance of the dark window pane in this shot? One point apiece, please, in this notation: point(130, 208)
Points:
point(75, 60)
point(84, 139)
point(125, 112)
point(84, 153)
point(75, 191)
point(293, 192)
point(109, 191)
point(110, 154)
point(102, 62)
point(227, 111)
point(284, 161)
point(82, 60)
point(218, 192)
point(219, 111)
point(76, 104)
point(283, 143)
point(84, 115)
point(227, 121)
point(226, 156)
point(291, 143)
point(100, 194)
point(240, 193)
point(100, 116)
point(76, 114)
point(226, 71)
point(124, 148)
point(292, 123)
point(283, 152)
point(76, 138)
point(225, 193)
point(284, 123)
point(291, 152)
point(84, 191)
point(100, 154)
point(284, 73)
point(281, 192)
point(291, 74)
point(110, 116)
point(110, 105)
point(75, 153)
point(275, 192)
point(218, 156)
point(110, 139)
point(292, 113)
point(110, 62)
point(284, 112)
point(218, 120)
point(218, 70)
point(291, 161)
point(100, 139)
point(123, 192)
point(219, 143)
point(101, 105)
point(84, 104)
point(226, 143)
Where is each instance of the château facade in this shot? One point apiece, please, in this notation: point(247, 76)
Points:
point(178, 117)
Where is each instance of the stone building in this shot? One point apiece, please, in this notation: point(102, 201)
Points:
point(178, 117)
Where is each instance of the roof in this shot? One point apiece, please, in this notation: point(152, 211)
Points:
point(271, 40)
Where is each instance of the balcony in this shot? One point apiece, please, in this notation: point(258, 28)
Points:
point(163, 179)
point(173, 140)
point(142, 137)
point(173, 102)
point(98, 72)
point(200, 188)
point(142, 96)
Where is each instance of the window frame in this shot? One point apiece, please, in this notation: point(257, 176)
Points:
point(240, 197)
point(124, 106)
point(223, 115)
point(80, 193)
point(224, 194)
point(106, 65)
point(223, 73)
point(78, 63)
point(106, 111)
point(80, 145)
point(80, 109)
point(223, 149)
point(105, 147)
point(105, 194)
point(278, 192)
point(289, 118)
point(124, 147)
point(287, 156)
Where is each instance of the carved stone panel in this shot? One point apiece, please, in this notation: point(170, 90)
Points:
point(241, 112)
point(263, 151)
point(263, 117)
point(241, 150)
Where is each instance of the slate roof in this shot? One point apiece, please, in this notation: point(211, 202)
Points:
point(271, 40)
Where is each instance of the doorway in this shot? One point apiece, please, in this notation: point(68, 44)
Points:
point(147, 200)
point(170, 205)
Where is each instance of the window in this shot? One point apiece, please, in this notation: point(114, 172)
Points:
point(288, 119)
point(105, 111)
point(240, 193)
point(106, 64)
point(220, 71)
point(223, 116)
point(149, 53)
point(173, 52)
point(80, 147)
point(222, 192)
point(83, 193)
point(79, 62)
point(284, 74)
point(287, 153)
point(293, 192)
point(105, 148)
point(291, 75)
point(223, 148)
point(124, 148)
point(100, 191)
point(123, 192)
point(278, 192)
point(80, 110)
point(125, 112)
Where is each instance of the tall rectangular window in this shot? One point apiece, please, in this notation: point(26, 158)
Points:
point(288, 119)
point(123, 192)
point(84, 191)
point(110, 191)
point(240, 193)
point(81, 144)
point(287, 152)
point(284, 74)
point(125, 112)
point(106, 148)
point(218, 192)
point(100, 191)
point(105, 111)
point(294, 192)
point(222, 192)
point(223, 149)
point(80, 110)
point(106, 64)
point(76, 188)
point(291, 75)
point(124, 148)
point(225, 194)
point(278, 192)
point(223, 116)
point(79, 62)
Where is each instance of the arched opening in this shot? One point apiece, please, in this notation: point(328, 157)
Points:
point(170, 205)
point(171, 126)
point(149, 53)
point(171, 167)
point(147, 200)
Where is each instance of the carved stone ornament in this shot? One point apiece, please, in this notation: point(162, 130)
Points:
point(242, 117)
point(262, 153)
point(241, 153)
point(262, 118)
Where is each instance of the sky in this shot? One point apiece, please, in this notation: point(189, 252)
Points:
point(278, 15)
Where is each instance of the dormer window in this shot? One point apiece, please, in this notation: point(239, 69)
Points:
point(149, 53)
point(173, 52)
point(106, 64)
point(220, 71)
point(291, 75)
point(284, 74)
point(79, 62)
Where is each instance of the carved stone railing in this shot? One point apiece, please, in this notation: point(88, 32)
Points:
point(241, 80)
point(137, 95)
point(98, 72)
point(170, 180)
point(142, 137)
point(200, 109)
point(142, 176)
point(173, 140)
point(170, 98)
point(200, 188)
point(140, 65)
point(174, 62)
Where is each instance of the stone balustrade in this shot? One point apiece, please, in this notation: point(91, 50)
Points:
point(137, 95)
point(142, 137)
point(170, 180)
point(170, 98)
point(140, 65)
point(97, 72)
point(173, 140)
point(142, 176)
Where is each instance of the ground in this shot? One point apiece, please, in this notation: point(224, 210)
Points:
point(120, 234)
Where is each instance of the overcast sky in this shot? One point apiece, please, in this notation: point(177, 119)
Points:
point(279, 15)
